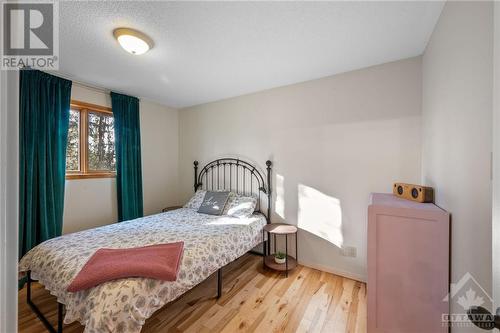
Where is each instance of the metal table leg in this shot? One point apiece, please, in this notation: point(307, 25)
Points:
point(274, 243)
point(286, 252)
point(296, 248)
point(263, 249)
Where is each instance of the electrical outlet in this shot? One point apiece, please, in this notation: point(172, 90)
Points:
point(348, 251)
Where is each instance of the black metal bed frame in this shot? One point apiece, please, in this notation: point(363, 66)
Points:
point(234, 174)
point(39, 314)
point(238, 176)
point(246, 175)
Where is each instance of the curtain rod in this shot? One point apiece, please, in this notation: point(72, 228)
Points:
point(105, 91)
point(96, 88)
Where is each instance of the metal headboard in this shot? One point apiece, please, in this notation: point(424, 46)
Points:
point(236, 175)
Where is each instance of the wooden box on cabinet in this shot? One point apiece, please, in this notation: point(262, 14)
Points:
point(408, 265)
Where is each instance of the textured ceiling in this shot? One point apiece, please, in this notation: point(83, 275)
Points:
point(207, 51)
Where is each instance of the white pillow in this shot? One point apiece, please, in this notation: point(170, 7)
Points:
point(196, 200)
point(239, 206)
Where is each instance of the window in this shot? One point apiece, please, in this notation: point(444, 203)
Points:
point(90, 151)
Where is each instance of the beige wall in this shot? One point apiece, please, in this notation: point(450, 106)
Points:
point(9, 195)
point(457, 134)
point(92, 202)
point(496, 160)
point(332, 141)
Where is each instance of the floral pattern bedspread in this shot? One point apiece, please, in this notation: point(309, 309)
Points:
point(123, 305)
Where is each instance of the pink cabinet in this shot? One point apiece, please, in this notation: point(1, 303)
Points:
point(408, 265)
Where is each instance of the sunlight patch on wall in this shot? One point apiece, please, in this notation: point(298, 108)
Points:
point(279, 204)
point(320, 214)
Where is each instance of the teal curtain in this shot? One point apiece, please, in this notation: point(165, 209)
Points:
point(128, 156)
point(44, 103)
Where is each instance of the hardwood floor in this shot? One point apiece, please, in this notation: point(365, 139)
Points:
point(253, 300)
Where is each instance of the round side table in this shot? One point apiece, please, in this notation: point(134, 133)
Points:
point(283, 229)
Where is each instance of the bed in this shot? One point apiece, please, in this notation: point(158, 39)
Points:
point(123, 305)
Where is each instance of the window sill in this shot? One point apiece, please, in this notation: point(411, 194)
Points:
point(70, 176)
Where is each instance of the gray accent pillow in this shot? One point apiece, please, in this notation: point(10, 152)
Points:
point(213, 203)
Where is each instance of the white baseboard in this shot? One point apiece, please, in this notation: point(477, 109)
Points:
point(353, 276)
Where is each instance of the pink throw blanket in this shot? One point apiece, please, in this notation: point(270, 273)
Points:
point(155, 261)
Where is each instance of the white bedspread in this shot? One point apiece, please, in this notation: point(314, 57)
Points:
point(123, 305)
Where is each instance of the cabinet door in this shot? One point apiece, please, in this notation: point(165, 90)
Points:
point(408, 265)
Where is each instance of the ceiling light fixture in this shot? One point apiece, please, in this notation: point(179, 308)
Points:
point(133, 41)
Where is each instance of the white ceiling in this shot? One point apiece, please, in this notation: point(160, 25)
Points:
point(207, 51)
